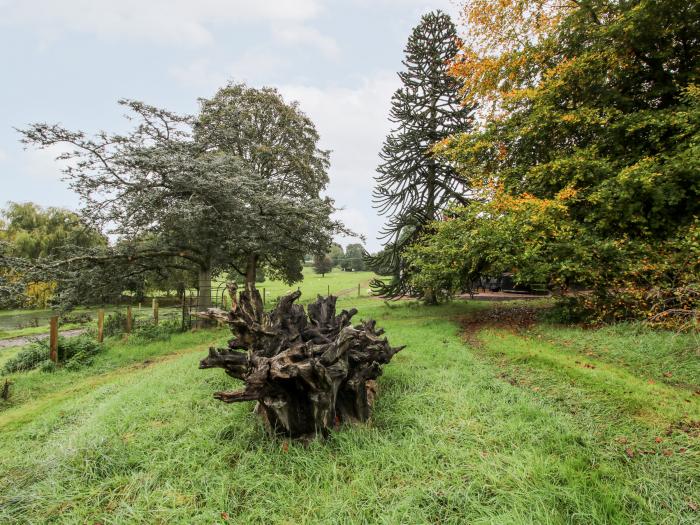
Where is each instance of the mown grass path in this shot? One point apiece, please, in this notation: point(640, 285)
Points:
point(504, 428)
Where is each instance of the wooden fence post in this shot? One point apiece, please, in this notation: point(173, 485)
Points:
point(185, 314)
point(128, 319)
point(53, 339)
point(329, 290)
point(358, 289)
point(100, 325)
point(155, 311)
point(264, 295)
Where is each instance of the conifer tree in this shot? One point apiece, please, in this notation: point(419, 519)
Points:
point(413, 186)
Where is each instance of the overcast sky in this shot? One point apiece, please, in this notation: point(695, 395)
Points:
point(69, 61)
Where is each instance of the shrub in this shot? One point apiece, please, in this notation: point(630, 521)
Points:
point(146, 331)
point(79, 351)
point(77, 318)
point(142, 330)
point(115, 324)
point(27, 359)
point(75, 352)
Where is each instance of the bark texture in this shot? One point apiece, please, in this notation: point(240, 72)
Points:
point(309, 370)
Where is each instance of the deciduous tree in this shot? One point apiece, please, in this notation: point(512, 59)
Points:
point(234, 188)
point(595, 106)
point(323, 264)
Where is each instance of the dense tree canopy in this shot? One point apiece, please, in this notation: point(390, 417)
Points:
point(591, 109)
point(323, 264)
point(279, 145)
point(34, 232)
point(354, 258)
point(337, 254)
point(30, 232)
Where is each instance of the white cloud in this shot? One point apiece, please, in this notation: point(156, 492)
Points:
point(206, 75)
point(183, 22)
point(198, 74)
point(300, 34)
point(352, 123)
point(41, 164)
point(37, 177)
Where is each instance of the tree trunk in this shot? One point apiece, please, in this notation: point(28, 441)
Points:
point(204, 299)
point(308, 371)
point(429, 296)
point(250, 272)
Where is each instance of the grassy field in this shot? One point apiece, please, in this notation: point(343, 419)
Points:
point(476, 422)
point(339, 283)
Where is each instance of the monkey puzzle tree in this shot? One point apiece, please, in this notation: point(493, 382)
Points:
point(414, 186)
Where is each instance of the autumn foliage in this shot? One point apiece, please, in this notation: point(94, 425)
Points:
point(586, 163)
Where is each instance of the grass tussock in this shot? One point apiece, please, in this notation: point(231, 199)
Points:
point(514, 429)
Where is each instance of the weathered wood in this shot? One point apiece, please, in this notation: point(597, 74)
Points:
point(155, 311)
point(53, 339)
point(308, 370)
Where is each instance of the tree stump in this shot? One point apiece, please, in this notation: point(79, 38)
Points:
point(309, 370)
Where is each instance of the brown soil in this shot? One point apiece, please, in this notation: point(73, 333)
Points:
point(26, 339)
point(514, 318)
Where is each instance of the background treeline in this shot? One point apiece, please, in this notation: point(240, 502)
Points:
point(350, 259)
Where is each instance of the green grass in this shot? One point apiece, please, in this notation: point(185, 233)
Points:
point(507, 429)
point(342, 284)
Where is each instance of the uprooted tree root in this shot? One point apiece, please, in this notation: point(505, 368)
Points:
point(308, 370)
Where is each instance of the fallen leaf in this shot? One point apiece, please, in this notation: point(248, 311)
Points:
point(658, 439)
point(622, 440)
point(285, 447)
point(668, 374)
point(667, 452)
point(693, 505)
point(629, 452)
point(224, 516)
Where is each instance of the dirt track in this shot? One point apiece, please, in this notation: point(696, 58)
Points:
point(26, 339)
